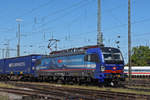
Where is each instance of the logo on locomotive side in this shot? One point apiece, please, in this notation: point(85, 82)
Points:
point(17, 64)
point(59, 61)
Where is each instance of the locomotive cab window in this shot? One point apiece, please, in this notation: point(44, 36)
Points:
point(91, 58)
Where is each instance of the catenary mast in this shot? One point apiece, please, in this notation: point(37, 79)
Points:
point(99, 33)
point(129, 38)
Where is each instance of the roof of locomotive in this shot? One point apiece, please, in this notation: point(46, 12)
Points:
point(74, 49)
point(83, 49)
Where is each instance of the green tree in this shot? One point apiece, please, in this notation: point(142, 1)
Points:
point(140, 56)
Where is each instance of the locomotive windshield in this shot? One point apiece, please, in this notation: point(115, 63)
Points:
point(112, 56)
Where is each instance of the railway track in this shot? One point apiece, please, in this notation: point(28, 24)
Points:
point(137, 86)
point(141, 83)
point(44, 95)
point(61, 93)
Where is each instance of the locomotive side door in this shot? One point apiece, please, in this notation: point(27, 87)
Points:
point(91, 60)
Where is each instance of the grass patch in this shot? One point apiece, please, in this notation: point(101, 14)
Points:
point(4, 98)
point(6, 85)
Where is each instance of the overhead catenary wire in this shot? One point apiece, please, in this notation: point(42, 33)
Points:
point(37, 8)
point(125, 24)
point(60, 17)
point(59, 11)
point(70, 7)
point(65, 14)
point(31, 11)
point(63, 9)
point(122, 25)
point(116, 7)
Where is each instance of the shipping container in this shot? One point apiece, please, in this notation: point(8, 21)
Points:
point(2, 66)
point(19, 65)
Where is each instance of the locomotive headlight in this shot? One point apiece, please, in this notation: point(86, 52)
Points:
point(102, 68)
point(114, 68)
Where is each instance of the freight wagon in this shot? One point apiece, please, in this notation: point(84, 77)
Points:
point(22, 67)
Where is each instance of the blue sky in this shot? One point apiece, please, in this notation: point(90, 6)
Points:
point(73, 22)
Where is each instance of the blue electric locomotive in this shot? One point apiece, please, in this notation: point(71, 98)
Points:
point(90, 63)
